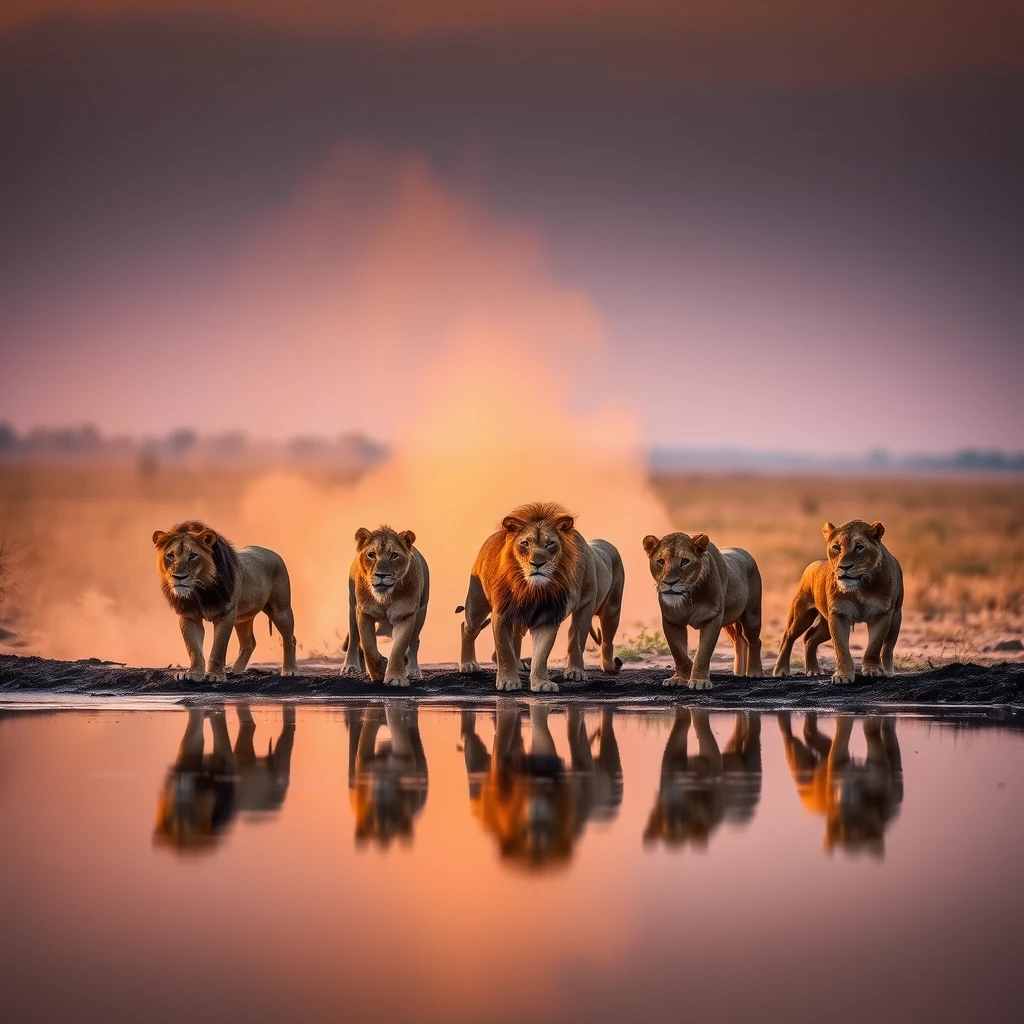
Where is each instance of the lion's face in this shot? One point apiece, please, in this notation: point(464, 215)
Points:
point(185, 560)
point(678, 563)
point(385, 557)
point(537, 546)
point(854, 551)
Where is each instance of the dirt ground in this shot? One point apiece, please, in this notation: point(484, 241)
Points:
point(953, 686)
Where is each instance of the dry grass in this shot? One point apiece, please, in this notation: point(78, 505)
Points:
point(960, 542)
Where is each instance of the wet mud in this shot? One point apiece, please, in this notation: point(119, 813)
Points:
point(997, 686)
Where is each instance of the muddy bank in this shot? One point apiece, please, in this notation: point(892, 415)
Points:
point(950, 686)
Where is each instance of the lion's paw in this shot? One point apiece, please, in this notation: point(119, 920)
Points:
point(781, 671)
point(872, 671)
point(350, 670)
point(574, 675)
point(288, 672)
point(216, 677)
point(842, 678)
point(190, 676)
point(755, 673)
point(415, 673)
point(543, 686)
point(396, 681)
point(509, 684)
point(467, 667)
point(675, 681)
point(699, 684)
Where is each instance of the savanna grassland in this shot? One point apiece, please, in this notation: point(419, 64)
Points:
point(76, 550)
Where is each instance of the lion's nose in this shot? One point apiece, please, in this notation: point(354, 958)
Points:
point(671, 583)
point(537, 562)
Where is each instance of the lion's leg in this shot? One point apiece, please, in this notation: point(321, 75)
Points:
point(799, 756)
point(677, 644)
point(840, 627)
point(700, 674)
point(190, 750)
point(414, 645)
point(507, 676)
point(477, 758)
point(222, 628)
point(739, 662)
point(542, 743)
point(282, 753)
point(707, 745)
point(580, 756)
point(376, 666)
point(839, 755)
point(354, 648)
point(543, 638)
point(801, 615)
point(477, 610)
point(878, 631)
point(246, 645)
point(674, 756)
point(245, 751)
point(366, 748)
point(608, 616)
point(398, 723)
point(194, 633)
point(579, 630)
point(813, 639)
point(750, 624)
point(221, 740)
point(397, 673)
point(889, 643)
point(608, 748)
point(281, 616)
point(814, 738)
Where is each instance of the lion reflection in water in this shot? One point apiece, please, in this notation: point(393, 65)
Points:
point(530, 801)
point(387, 782)
point(859, 800)
point(204, 792)
point(697, 792)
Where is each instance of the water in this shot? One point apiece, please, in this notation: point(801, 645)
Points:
point(362, 872)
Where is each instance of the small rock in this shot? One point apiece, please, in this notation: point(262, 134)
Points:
point(1009, 645)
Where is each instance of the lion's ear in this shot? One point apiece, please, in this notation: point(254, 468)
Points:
point(362, 536)
point(827, 530)
point(510, 524)
point(208, 538)
point(408, 538)
point(564, 524)
point(159, 537)
point(875, 531)
point(700, 543)
point(651, 543)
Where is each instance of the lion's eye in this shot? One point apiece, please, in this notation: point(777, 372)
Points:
point(551, 545)
point(859, 547)
point(835, 548)
point(661, 561)
point(394, 556)
point(371, 555)
point(524, 546)
point(192, 557)
point(168, 558)
point(684, 561)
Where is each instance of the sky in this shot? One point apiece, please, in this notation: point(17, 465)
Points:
point(786, 226)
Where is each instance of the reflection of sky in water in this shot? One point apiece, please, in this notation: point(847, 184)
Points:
point(370, 881)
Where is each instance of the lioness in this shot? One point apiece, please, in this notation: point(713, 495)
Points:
point(697, 792)
point(532, 574)
point(700, 586)
point(204, 577)
point(388, 590)
point(860, 581)
point(388, 783)
point(859, 800)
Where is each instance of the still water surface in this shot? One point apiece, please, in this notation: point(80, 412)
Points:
point(263, 862)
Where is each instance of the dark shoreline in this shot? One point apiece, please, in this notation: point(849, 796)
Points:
point(952, 686)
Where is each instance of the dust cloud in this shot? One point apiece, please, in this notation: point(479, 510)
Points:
point(449, 331)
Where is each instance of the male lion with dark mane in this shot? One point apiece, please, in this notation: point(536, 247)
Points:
point(204, 578)
point(860, 581)
point(388, 590)
point(531, 575)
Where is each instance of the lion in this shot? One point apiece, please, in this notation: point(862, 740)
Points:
point(859, 581)
point(388, 590)
point(859, 801)
point(203, 793)
point(387, 784)
point(531, 802)
point(698, 792)
point(204, 578)
point(531, 575)
point(700, 586)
